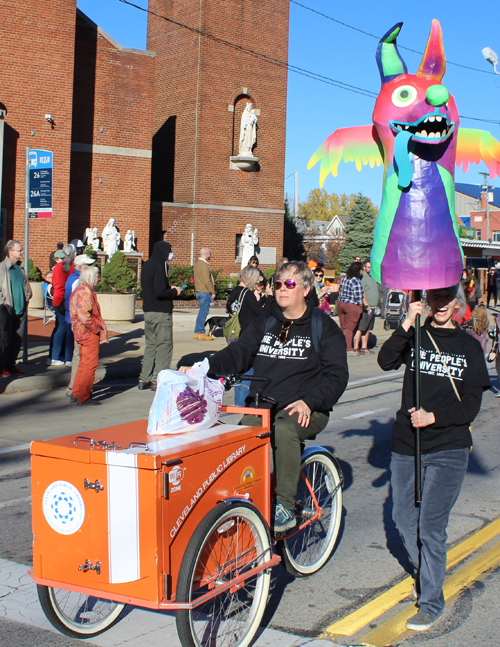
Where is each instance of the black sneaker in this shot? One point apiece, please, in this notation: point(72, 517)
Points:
point(153, 386)
point(143, 385)
point(283, 519)
point(421, 621)
point(72, 399)
point(89, 402)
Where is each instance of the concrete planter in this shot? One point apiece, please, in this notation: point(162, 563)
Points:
point(36, 301)
point(117, 307)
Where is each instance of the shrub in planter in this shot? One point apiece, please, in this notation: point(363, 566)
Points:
point(116, 275)
point(182, 275)
point(34, 273)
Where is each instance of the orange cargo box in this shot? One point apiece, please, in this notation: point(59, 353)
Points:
point(113, 511)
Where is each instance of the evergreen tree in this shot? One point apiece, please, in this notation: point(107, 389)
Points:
point(358, 232)
point(293, 238)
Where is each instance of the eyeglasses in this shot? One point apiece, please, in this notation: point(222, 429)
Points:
point(289, 284)
point(283, 336)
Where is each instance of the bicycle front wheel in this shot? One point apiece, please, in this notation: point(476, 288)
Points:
point(231, 539)
point(307, 550)
point(76, 614)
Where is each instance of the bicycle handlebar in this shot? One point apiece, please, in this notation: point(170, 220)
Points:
point(231, 379)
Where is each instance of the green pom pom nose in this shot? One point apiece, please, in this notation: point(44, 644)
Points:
point(437, 95)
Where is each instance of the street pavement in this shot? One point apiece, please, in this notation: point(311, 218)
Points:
point(368, 560)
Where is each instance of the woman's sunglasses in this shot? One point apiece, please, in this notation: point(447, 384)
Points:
point(289, 284)
point(318, 274)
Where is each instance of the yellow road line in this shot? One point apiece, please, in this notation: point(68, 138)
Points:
point(358, 619)
point(392, 629)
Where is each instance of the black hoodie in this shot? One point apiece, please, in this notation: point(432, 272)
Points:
point(465, 360)
point(156, 291)
point(296, 371)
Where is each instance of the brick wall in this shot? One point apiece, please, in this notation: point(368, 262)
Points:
point(112, 107)
point(37, 79)
point(197, 80)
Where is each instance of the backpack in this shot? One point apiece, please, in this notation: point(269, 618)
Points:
point(316, 328)
point(232, 329)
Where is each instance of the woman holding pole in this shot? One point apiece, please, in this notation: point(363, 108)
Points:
point(453, 377)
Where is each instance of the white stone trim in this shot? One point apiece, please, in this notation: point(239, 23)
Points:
point(219, 207)
point(110, 150)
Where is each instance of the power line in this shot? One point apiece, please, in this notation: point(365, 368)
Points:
point(274, 61)
point(283, 64)
point(366, 33)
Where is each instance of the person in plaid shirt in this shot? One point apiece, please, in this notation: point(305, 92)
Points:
point(350, 303)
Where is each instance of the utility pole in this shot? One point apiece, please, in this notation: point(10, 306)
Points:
point(296, 197)
point(485, 187)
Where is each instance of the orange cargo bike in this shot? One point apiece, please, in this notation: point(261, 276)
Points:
point(175, 522)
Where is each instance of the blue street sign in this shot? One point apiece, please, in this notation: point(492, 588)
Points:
point(40, 184)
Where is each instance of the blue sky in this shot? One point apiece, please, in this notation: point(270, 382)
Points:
point(316, 44)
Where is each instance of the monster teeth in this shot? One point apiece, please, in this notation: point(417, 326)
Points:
point(422, 133)
point(439, 118)
point(426, 120)
point(431, 119)
point(433, 135)
point(406, 127)
point(398, 126)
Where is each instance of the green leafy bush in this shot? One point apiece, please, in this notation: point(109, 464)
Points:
point(90, 251)
point(183, 275)
point(116, 275)
point(34, 273)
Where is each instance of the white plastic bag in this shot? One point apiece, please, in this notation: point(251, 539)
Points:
point(185, 402)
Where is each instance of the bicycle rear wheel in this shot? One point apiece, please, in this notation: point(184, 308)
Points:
point(307, 550)
point(76, 614)
point(231, 539)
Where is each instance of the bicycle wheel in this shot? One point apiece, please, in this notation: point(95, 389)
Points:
point(78, 615)
point(307, 550)
point(231, 539)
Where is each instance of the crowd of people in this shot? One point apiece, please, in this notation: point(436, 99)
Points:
point(69, 294)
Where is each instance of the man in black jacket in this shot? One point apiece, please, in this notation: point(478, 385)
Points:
point(157, 305)
point(307, 375)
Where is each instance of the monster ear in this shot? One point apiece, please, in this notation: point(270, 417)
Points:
point(390, 64)
point(434, 62)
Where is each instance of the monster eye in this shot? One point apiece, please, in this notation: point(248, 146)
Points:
point(404, 96)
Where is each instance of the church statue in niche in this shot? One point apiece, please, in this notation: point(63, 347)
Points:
point(248, 131)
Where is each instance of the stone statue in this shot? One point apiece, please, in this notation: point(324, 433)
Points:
point(110, 238)
point(129, 241)
point(248, 241)
point(92, 238)
point(248, 131)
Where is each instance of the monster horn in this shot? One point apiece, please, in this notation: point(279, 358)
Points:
point(389, 61)
point(433, 62)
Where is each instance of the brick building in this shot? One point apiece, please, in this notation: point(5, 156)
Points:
point(202, 86)
point(146, 137)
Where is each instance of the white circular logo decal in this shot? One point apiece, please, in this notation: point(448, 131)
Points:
point(63, 507)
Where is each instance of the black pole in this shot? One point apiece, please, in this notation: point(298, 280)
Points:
point(418, 448)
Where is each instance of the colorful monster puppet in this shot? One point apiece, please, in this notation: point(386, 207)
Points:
point(416, 135)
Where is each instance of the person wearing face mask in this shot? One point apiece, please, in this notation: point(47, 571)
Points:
point(158, 298)
point(205, 292)
point(453, 377)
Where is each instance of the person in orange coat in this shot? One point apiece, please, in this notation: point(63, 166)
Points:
point(89, 329)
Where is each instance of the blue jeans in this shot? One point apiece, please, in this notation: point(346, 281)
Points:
point(423, 529)
point(205, 300)
point(242, 390)
point(63, 339)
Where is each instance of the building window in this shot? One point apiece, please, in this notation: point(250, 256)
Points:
point(478, 234)
point(496, 236)
point(239, 250)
